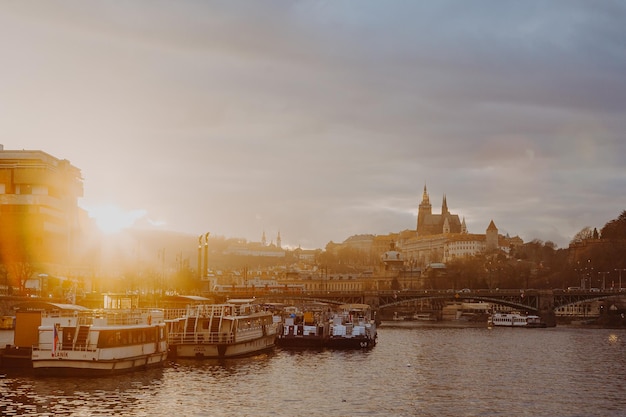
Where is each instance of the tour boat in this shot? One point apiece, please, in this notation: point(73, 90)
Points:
point(235, 328)
point(352, 328)
point(99, 342)
point(305, 329)
point(514, 319)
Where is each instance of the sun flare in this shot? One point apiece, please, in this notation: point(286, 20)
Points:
point(111, 219)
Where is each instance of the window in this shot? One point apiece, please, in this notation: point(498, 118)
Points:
point(24, 189)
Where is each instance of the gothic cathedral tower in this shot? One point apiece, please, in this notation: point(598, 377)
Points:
point(425, 209)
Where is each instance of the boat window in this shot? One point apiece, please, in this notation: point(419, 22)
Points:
point(106, 338)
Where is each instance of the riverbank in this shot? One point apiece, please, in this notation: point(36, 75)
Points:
point(441, 323)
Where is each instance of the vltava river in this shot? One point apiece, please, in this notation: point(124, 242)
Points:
point(413, 371)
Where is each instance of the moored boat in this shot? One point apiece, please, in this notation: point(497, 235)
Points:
point(353, 327)
point(514, 319)
point(99, 342)
point(306, 328)
point(235, 328)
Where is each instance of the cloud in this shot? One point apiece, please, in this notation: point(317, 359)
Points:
point(325, 119)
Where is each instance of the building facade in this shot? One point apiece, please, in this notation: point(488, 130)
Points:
point(39, 213)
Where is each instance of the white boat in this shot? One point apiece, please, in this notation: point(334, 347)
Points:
point(99, 342)
point(352, 328)
point(235, 328)
point(514, 319)
point(423, 317)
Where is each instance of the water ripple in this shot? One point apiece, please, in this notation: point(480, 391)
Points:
point(412, 372)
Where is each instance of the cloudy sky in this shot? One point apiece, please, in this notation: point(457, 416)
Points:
point(325, 119)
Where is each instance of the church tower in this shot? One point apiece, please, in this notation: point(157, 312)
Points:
point(278, 241)
point(425, 209)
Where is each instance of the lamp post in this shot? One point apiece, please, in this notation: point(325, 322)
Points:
point(603, 273)
point(579, 271)
point(200, 274)
point(620, 277)
point(588, 273)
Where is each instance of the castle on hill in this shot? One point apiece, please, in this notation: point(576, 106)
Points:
point(437, 238)
point(436, 224)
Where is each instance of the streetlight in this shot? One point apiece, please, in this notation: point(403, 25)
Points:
point(589, 274)
point(603, 279)
point(620, 276)
point(200, 274)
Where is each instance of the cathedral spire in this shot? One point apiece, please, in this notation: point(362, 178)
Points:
point(424, 210)
point(444, 206)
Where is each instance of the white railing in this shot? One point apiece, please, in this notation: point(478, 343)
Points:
point(47, 347)
point(200, 338)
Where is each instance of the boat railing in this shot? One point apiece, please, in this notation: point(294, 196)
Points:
point(129, 317)
point(200, 338)
point(249, 333)
point(174, 313)
point(112, 316)
point(48, 347)
point(215, 337)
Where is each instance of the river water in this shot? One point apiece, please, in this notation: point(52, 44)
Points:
point(413, 371)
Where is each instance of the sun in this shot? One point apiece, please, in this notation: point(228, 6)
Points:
point(111, 219)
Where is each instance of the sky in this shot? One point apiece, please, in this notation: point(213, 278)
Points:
point(325, 119)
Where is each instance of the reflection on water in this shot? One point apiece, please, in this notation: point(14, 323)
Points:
point(413, 371)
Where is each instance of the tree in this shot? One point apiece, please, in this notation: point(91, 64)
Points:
point(585, 233)
point(4, 278)
point(21, 272)
point(615, 229)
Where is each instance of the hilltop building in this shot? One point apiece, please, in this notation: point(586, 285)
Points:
point(262, 248)
point(429, 224)
point(437, 238)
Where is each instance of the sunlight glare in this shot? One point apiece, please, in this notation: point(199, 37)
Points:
point(111, 219)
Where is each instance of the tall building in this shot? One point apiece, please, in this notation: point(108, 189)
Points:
point(39, 213)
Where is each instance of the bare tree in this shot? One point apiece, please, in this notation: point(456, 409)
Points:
point(4, 278)
point(21, 272)
point(585, 233)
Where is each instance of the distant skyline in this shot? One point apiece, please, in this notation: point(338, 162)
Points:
point(322, 120)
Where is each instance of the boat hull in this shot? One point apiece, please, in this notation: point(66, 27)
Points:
point(302, 342)
point(350, 342)
point(223, 350)
point(87, 367)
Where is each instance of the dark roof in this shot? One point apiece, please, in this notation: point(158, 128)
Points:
point(48, 306)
